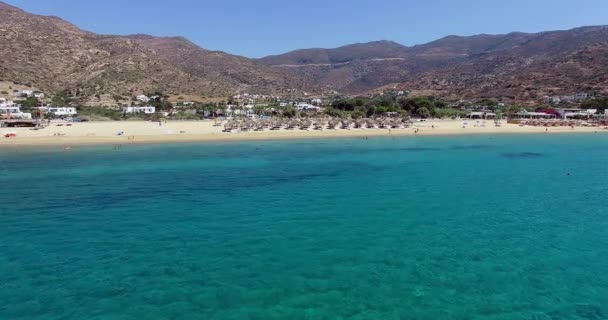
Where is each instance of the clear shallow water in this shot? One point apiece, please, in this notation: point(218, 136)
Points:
point(410, 228)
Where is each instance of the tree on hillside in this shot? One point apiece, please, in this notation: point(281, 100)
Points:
point(344, 104)
point(440, 104)
point(488, 102)
point(29, 103)
point(423, 112)
point(336, 113)
point(599, 103)
point(411, 105)
point(513, 110)
point(164, 105)
point(289, 112)
point(359, 102)
point(357, 115)
point(445, 113)
point(61, 99)
point(382, 101)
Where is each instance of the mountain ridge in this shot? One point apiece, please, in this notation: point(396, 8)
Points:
point(52, 54)
point(447, 65)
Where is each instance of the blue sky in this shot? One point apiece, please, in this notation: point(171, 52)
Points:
point(263, 27)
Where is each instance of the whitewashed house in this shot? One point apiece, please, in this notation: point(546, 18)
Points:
point(39, 95)
point(5, 102)
point(246, 110)
point(554, 100)
point(566, 113)
point(142, 98)
point(136, 109)
point(13, 112)
point(24, 93)
point(62, 111)
point(307, 107)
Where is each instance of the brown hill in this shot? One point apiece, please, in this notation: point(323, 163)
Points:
point(516, 66)
point(51, 54)
point(359, 51)
point(228, 72)
point(525, 67)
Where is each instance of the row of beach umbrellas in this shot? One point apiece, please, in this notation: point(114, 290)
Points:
point(315, 124)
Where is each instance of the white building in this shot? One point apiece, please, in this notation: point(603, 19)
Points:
point(136, 109)
point(24, 93)
point(39, 95)
point(62, 111)
point(5, 103)
point(524, 114)
point(142, 98)
point(482, 115)
point(239, 111)
point(307, 107)
point(575, 112)
point(13, 112)
point(554, 100)
point(317, 102)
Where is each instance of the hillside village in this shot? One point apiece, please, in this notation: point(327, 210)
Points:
point(36, 105)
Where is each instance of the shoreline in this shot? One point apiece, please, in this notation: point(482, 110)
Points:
point(147, 133)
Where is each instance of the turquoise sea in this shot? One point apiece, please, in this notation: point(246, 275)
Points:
point(468, 227)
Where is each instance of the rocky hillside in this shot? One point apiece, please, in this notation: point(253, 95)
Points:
point(516, 66)
point(52, 55)
point(525, 67)
point(345, 54)
point(235, 73)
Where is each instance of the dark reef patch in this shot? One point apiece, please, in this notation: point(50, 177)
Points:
point(519, 155)
point(472, 147)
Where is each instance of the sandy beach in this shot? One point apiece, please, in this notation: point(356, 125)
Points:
point(191, 131)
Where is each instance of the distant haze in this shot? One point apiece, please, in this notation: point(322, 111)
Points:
point(266, 27)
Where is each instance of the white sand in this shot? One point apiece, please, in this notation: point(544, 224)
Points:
point(184, 131)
